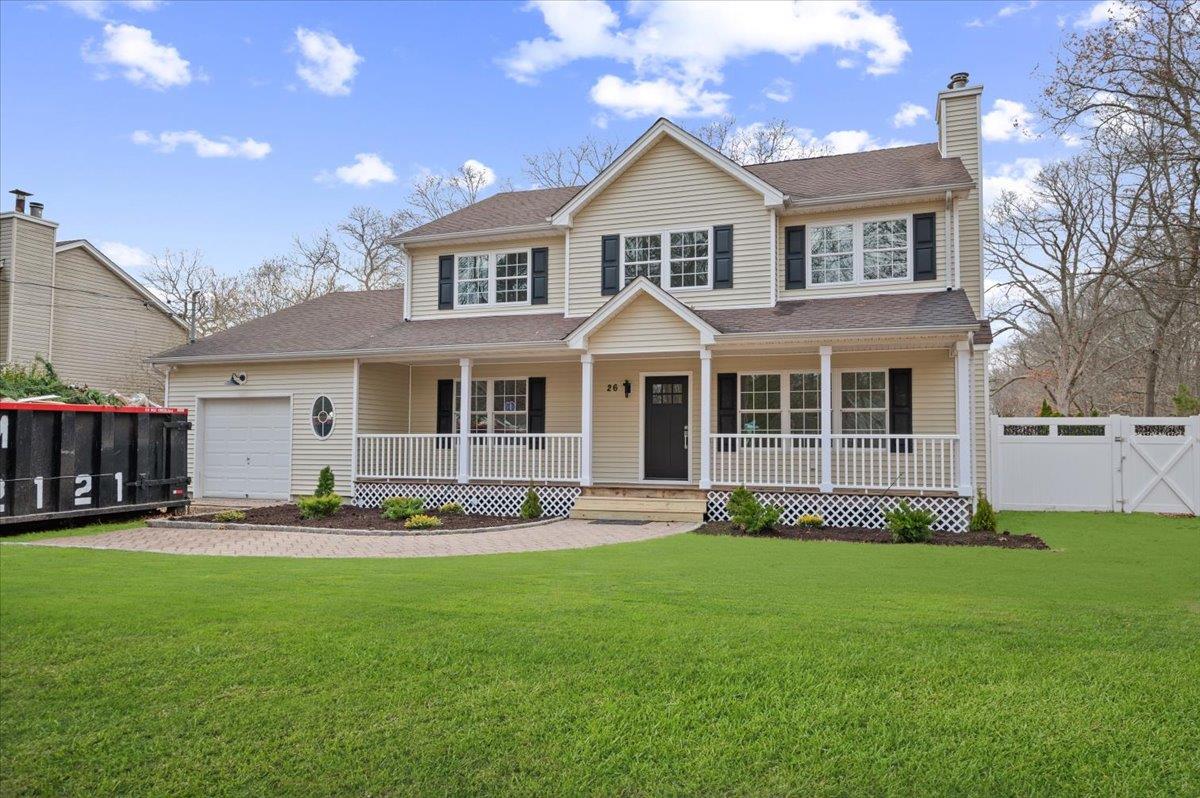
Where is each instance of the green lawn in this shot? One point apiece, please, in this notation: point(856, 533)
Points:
point(688, 665)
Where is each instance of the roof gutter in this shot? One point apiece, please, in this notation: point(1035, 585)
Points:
point(434, 238)
point(344, 354)
point(867, 196)
point(854, 332)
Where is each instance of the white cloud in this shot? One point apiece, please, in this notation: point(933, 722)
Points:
point(224, 147)
point(678, 50)
point(659, 97)
point(1016, 177)
point(909, 114)
point(98, 9)
point(1008, 120)
point(367, 170)
point(974, 23)
point(328, 65)
point(846, 63)
point(779, 90)
point(1012, 9)
point(1071, 140)
point(806, 141)
point(843, 141)
point(486, 174)
point(1104, 11)
point(126, 256)
point(145, 62)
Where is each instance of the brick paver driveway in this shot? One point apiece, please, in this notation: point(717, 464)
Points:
point(565, 534)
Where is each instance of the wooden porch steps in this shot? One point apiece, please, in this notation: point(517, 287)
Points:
point(640, 504)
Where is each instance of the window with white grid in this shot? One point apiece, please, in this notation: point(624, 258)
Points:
point(510, 410)
point(831, 253)
point(473, 281)
point(885, 249)
point(479, 405)
point(642, 257)
point(804, 402)
point(864, 402)
point(759, 404)
point(512, 277)
point(689, 259)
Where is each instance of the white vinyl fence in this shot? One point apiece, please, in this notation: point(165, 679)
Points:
point(1120, 463)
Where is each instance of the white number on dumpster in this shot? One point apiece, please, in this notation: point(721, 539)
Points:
point(4, 431)
point(38, 498)
point(120, 487)
point(83, 486)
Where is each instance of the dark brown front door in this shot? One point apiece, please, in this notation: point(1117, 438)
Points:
point(666, 428)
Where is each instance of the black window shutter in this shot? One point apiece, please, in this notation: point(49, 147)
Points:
point(727, 404)
point(537, 410)
point(539, 271)
point(794, 254)
point(445, 282)
point(900, 415)
point(924, 246)
point(610, 264)
point(445, 410)
point(723, 256)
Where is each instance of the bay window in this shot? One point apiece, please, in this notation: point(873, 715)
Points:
point(485, 278)
point(859, 251)
point(688, 258)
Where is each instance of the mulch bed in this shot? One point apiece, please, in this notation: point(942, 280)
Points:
point(1003, 540)
point(350, 517)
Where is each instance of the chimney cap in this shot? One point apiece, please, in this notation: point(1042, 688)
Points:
point(21, 193)
point(36, 209)
point(958, 80)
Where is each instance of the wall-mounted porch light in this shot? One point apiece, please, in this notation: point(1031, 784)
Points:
point(628, 388)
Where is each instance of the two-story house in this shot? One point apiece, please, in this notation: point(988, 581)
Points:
point(640, 345)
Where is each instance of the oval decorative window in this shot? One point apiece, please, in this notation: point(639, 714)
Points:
point(322, 417)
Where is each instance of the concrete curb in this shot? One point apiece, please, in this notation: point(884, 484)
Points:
point(313, 530)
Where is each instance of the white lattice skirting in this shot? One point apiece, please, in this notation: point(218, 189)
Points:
point(950, 513)
point(502, 500)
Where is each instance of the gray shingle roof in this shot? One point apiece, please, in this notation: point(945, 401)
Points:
point(894, 169)
point(360, 321)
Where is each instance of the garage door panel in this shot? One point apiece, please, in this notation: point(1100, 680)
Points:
point(246, 448)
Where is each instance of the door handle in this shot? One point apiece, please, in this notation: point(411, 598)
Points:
point(685, 437)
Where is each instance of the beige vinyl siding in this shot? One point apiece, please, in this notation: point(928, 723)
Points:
point(104, 341)
point(979, 410)
point(424, 280)
point(960, 122)
point(33, 257)
point(672, 188)
point(303, 382)
point(644, 325)
point(382, 398)
point(563, 399)
point(6, 275)
point(891, 212)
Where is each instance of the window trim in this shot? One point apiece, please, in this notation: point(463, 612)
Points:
point(785, 399)
point(664, 268)
point(492, 255)
point(490, 399)
point(858, 255)
point(837, 404)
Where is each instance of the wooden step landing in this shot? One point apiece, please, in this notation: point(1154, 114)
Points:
point(628, 504)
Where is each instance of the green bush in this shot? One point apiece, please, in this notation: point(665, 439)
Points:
point(749, 513)
point(398, 508)
point(811, 520)
point(984, 517)
point(229, 516)
point(1186, 403)
point(451, 508)
point(40, 379)
point(324, 482)
point(420, 521)
point(319, 506)
point(909, 525)
point(532, 506)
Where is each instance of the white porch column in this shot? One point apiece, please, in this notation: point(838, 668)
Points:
point(464, 420)
point(705, 418)
point(585, 445)
point(962, 414)
point(826, 419)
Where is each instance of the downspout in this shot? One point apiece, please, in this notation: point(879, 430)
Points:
point(566, 272)
point(774, 258)
point(408, 279)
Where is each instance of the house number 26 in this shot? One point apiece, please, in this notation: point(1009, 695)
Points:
point(612, 386)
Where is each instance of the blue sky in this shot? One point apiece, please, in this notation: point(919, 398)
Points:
point(229, 127)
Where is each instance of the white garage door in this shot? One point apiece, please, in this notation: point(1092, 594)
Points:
point(246, 448)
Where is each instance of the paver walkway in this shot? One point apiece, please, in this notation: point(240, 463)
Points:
point(565, 534)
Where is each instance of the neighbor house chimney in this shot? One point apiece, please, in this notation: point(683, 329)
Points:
point(958, 80)
point(21, 195)
point(35, 209)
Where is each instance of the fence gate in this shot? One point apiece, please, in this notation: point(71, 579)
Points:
point(1116, 463)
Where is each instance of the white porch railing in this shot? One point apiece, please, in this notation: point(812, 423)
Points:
point(899, 462)
point(550, 457)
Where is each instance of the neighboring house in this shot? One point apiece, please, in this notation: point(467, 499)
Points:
point(811, 328)
point(67, 302)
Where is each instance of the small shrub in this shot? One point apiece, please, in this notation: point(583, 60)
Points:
point(532, 506)
point(451, 508)
point(324, 482)
point(421, 521)
point(812, 521)
point(229, 516)
point(984, 517)
point(398, 508)
point(319, 506)
point(749, 513)
point(909, 525)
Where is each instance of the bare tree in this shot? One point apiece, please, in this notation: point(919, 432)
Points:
point(370, 261)
point(570, 166)
point(310, 270)
point(760, 142)
point(435, 195)
point(178, 275)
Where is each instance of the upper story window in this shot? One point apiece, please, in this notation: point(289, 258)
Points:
point(688, 258)
point(486, 278)
point(860, 251)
